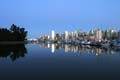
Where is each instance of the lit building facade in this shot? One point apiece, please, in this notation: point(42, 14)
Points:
point(98, 36)
point(109, 34)
point(66, 35)
point(53, 35)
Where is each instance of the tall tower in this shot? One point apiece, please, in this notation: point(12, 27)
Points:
point(66, 35)
point(53, 34)
point(98, 35)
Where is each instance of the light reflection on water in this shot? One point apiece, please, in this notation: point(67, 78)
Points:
point(81, 49)
point(53, 61)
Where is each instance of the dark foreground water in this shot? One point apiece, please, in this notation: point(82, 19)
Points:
point(58, 62)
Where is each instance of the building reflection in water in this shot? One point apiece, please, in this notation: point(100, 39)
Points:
point(48, 46)
point(66, 48)
point(80, 49)
point(13, 51)
point(53, 48)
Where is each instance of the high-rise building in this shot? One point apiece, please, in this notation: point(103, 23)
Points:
point(109, 34)
point(98, 36)
point(72, 35)
point(119, 35)
point(53, 35)
point(66, 35)
point(76, 34)
point(91, 34)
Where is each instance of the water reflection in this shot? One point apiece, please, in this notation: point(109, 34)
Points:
point(13, 51)
point(80, 49)
point(53, 48)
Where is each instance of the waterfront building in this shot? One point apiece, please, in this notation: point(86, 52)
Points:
point(46, 37)
point(110, 34)
point(53, 35)
point(119, 35)
point(62, 36)
point(57, 37)
point(91, 34)
point(72, 35)
point(43, 38)
point(76, 34)
point(113, 34)
point(66, 35)
point(98, 36)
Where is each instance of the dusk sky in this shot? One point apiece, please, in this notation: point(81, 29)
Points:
point(41, 16)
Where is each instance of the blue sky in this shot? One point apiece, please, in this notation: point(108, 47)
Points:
point(41, 16)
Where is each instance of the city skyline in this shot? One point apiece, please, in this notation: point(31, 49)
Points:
point(40, 17)
point(98, 33)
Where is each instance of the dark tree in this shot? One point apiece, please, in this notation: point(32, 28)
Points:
point(15, 33)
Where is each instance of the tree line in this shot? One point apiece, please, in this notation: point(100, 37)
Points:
point(15, 33)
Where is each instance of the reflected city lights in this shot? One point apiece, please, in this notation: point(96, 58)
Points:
point(79, 49)
point(48, 45)
point(53, 48)
point(66, 48)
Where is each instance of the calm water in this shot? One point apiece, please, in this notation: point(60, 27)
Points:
point(45, 61)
